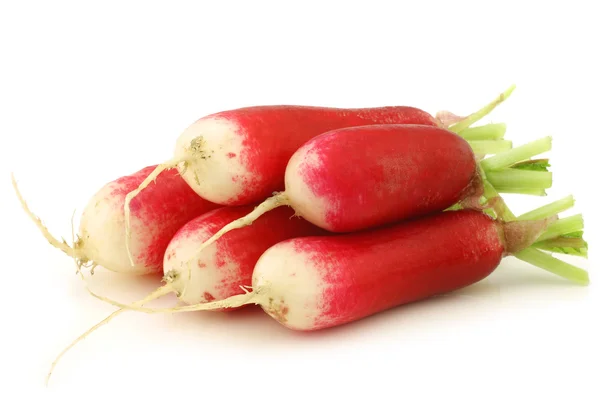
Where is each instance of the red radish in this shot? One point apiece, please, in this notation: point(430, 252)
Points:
point(221, 269)
point(156, 215)
point(362, 177)
point(239, 157)
point(312, 283)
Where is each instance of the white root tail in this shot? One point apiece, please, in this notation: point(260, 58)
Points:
point(160, 292)
point(131, 195)
point(235, 301)
point(61, 245)
point(277, 200)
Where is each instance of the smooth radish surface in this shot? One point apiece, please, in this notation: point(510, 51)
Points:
point(239, 157)
point(220, 270)
point(312, 283)
point(224, 267)
point(362, 177)
point(155, 217)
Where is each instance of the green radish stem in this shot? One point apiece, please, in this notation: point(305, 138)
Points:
point(485, 132)
point(522, 190)
point(533, 254)
point(564, 245)
point(558, 267)
point(517, 154)
point(513, 178)
point(514, 171)
point(490, 146)
point(563, 226)
point(541, 164)
point(476, 116)
point(549, 209)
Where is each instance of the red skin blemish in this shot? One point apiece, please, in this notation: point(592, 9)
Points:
point(208, 296)
point(271, 134)
point(399, 172)
point(231, 155)
point(163, 208)
point(373, 271)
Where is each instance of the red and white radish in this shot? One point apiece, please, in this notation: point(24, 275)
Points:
point(239, 157)
point(224, 267)
point(220, 270)
point(156, 215)
point(312, 283)
point(362, 177)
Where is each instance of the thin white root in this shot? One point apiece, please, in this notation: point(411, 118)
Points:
point(130, 196)
point(235, 301)
point(160, 292)
point(61, 245)
point(277, 200)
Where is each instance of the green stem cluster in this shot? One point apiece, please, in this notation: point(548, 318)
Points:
point(564, 236)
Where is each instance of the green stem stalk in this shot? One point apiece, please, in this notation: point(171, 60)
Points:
point(563, 226)
point(485, 132)
point(549, 210)
point(553, 265)
point(518, 190)
point(517, 154)
point(514, 178)
point(476, 116)
point(490, 146)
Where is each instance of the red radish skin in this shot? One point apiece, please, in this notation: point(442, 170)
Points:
point(357, 178)
point(239, 157)
point(362, 274)
point(241, 154)
point(156, 215)
point(312, 283)
point(361, 177)
point(220, 270)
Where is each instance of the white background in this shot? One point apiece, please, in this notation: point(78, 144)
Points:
point(90, 91)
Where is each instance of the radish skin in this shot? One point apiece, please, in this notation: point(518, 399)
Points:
point(239, 157)
point(224, 267)
point(313, 283)
point(221, 269)
point(155, 215)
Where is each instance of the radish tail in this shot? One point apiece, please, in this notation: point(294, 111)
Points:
point(238, 300)
point(131, 195)
point(160, 292)
point(61, 245)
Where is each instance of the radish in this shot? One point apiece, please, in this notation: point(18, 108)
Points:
point(221, 269)
point(157, 214)
point(224, 267)
point(312, 283)
point(362, 177)
point(239, 157)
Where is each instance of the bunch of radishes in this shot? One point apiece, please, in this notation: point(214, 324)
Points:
point(323, 216)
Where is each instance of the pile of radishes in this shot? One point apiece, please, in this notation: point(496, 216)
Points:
point(323, 216)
